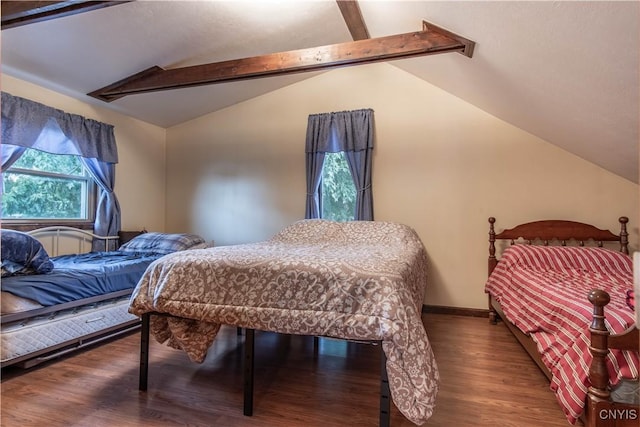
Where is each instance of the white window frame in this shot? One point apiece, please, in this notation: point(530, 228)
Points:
point(88, 202)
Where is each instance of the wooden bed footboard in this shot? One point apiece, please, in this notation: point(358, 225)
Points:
point(600, 409)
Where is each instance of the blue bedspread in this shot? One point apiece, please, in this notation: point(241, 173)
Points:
point(80, 276)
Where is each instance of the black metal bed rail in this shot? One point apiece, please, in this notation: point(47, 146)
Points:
point(248, 370)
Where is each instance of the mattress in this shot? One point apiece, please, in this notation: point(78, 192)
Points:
point(80, 276)
point(34, 335)
point(10, 303)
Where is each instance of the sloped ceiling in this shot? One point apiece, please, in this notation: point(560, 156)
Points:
point(565, 71)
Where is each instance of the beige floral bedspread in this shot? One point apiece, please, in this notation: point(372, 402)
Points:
point(361, 280)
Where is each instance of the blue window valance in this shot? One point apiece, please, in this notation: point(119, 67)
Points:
point(340, 131)
point(25, 122)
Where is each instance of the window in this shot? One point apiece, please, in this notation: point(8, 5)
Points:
point(332, 179)
point(337, 189)
point(40, 186)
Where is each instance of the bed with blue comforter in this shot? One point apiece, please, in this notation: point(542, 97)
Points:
point(74, 277)
point(53, 304)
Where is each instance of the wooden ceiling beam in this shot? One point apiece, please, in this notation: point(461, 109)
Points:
point(353, 18)
point(431, 40)
point(469, 45)
point(18, 13)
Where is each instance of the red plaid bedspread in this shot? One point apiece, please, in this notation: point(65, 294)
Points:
point(543, 291)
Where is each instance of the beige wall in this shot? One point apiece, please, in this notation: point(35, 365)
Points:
point(440, 165)
point(140, 173)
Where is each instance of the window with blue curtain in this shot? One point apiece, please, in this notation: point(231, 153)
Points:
point(340, 139)
point(29, 125)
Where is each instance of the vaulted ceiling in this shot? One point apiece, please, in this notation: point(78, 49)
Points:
point(565, 71)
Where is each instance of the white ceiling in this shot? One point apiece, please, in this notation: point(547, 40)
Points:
point(565, 71)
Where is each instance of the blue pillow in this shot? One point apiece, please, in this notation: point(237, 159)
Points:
point(23, 254)
point(160, 243)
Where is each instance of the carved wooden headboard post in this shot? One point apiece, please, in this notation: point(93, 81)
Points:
point(624, 235)
point(492, 262)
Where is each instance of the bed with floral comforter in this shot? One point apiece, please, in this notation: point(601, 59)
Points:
point(362, 280)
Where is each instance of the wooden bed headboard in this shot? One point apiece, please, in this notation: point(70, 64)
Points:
point(556, 230)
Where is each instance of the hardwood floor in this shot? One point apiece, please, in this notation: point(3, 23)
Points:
point(486, 380)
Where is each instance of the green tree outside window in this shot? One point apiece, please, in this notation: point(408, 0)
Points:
point(337, 188)
point(41, 185)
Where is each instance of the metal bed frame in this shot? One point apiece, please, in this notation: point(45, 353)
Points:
point(84, 238)
point(50, 237)
point(248, 370)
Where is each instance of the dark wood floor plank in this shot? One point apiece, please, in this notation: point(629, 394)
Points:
point(335, 386)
